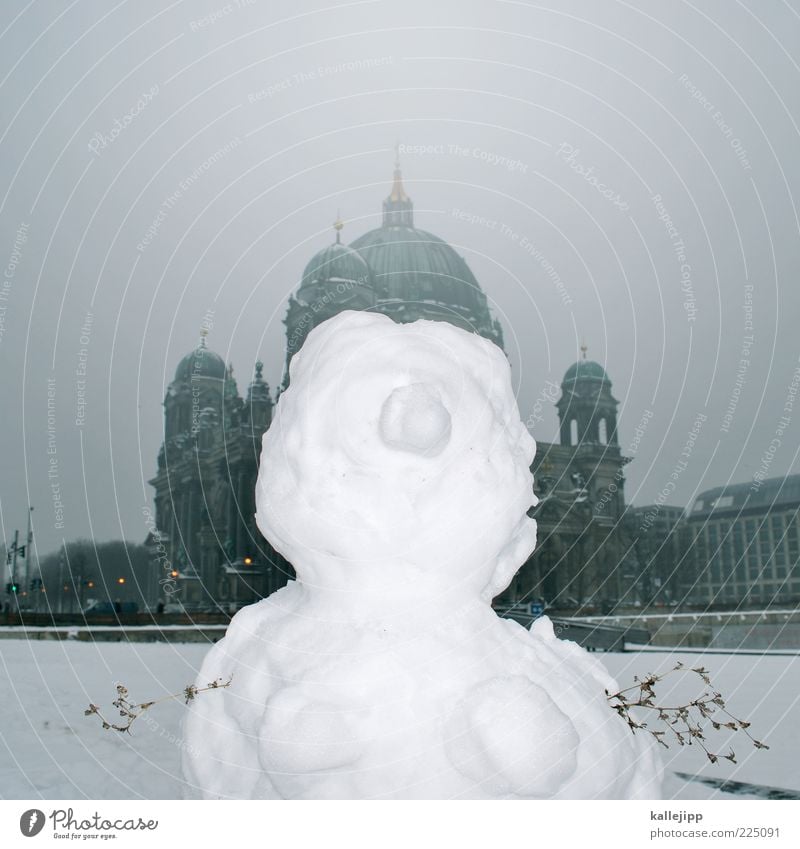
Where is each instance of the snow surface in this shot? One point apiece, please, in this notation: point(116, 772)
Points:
point(49, 750)
point(396, 479)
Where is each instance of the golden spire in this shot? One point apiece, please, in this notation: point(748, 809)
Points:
point(584, 348)
point(337, 225)
point(203, 334)
point(398, 193)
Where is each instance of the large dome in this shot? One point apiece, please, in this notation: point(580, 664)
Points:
point(418, 275)
point(414, 265)
point(405, 273)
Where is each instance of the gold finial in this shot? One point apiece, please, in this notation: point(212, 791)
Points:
point(584, 348)
point(398, 193)
point(203, 334)
point(337, 225)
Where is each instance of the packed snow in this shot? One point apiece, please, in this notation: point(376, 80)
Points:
point(396, 479)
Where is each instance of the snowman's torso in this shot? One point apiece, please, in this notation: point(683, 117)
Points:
point(472, 706)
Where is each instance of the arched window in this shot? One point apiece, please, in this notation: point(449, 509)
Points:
point(602, 432)
point(573, 432)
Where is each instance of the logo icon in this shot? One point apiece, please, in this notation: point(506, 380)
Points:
point(31, 822)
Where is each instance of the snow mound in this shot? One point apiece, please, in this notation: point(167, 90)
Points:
point(396, 479)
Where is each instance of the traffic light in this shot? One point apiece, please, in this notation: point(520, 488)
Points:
point(11, 588)
point(248, 561)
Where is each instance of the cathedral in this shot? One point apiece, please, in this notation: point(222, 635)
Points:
point(206, 541)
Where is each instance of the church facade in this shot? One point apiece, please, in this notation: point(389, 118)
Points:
point(206, 540)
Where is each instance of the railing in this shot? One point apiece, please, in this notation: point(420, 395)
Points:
point(590, 635)
point(45, 620)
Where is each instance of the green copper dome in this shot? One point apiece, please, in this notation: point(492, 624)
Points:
point(419, 275)
point(395, 269)
point(586, 370)
point(335, 264)
point(414, 265)
point(200, 363)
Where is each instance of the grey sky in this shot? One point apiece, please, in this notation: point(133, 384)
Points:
point(242, 135)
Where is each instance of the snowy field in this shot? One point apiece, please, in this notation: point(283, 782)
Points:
point(49, 749)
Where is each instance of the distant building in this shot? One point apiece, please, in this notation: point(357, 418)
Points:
point(659, 534)
point(744, 544)
point(581, 545)
point(206, 547)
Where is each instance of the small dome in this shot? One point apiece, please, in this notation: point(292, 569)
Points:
point(335, 264)
point(200, 363)
point(586, 370)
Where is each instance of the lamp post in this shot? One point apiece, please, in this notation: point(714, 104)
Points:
point(28, 541)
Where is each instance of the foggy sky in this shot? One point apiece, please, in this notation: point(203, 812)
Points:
point(619, 173)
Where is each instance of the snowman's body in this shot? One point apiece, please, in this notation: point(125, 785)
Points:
point(396, 479)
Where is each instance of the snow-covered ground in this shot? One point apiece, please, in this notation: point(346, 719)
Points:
point(764, 690)
point(49, 749)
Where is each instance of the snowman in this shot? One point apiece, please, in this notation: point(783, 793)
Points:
point(396, 479)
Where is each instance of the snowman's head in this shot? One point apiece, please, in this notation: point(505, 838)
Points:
point(397, 461)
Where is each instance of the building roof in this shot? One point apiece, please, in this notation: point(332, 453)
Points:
point(585, 370)
point(334, 264)
point(768, 494)
point(413, 265)
point(202, 362)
